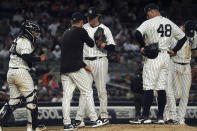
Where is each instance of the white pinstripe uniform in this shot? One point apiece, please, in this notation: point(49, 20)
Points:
point(158, 30)
point(19, 80)
point(180, 80)
point(81, 79)
point(99, 69)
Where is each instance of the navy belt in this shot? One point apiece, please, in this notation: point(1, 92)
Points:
point(17, 68)
point(14, 68)
point(181, 63)
point(92, 58)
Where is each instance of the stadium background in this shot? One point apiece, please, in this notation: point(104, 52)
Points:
point(122, 17)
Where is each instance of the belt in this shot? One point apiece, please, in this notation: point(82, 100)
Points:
point(181, 63)
point(92, 58)
point(163, 51)
point(14, 67)
point(17, 68)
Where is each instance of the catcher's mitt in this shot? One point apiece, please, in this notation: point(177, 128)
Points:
point(99, 37)
point(151, 51)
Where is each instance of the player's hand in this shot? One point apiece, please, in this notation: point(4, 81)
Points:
point(172, 53)
point(43, 57)
point(142, 50)
point(88, 69)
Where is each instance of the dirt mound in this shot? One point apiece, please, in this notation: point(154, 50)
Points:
point(151, 127)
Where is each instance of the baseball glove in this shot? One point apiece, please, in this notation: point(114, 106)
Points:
point(99, 37)
point(151, 51)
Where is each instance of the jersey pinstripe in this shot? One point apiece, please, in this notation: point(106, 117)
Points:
point(179, 80)
point(81, 80)
point(99, 68)
point(92, 52)
point(158, 30)
point(184, 54)
point(23, 46)
point(162, 30)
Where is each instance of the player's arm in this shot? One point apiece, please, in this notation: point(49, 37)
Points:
point(179, 35)
point(86, 38)
point(141, 30)
point(24, 50)
point(179, 44)
point(139, 38)
point(30, 58)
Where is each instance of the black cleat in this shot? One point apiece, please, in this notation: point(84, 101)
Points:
point(171, 122)
point(79, 124)
point(69, 127)
point(105, 121)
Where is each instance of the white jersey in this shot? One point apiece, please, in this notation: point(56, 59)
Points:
point(92, 52)
point(160, 30)
point(184, 54)
point(23, 46)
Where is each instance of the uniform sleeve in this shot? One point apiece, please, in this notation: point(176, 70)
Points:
point(143, 28)
point(23, 46)
point(86, 38)
point(109, 37)
point(177, 33)
point(194, 41)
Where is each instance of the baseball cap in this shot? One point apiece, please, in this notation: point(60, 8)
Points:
point(190, 27)
point(150, 6)
point(93, 12)
point(77, 16)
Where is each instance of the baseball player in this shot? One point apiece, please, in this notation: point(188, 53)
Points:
point(19, 80)
point(180, 76)
point(96, 58)
point(74, 71)
point(157, 32)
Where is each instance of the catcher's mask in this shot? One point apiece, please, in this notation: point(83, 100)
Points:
point(31, 29)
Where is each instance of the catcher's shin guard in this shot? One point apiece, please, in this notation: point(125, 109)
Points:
point(32, 109)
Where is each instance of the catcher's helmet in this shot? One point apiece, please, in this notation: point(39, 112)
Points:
point(27, 27)
point(190, 27)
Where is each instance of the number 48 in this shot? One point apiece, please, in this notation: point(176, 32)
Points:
point(164, 30)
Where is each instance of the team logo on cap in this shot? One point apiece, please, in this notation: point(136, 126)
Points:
point(90, 11)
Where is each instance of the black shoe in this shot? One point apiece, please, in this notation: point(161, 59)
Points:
point(79, 124)
point(145, 120)
point(37, 128)
point(135, 121)
point(105, 121)
point(96, 123)
point(171, 122)
point(69, 127)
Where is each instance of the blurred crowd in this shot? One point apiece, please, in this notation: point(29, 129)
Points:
point(122, 17)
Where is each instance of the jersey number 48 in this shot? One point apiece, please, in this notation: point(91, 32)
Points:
point(164, 30)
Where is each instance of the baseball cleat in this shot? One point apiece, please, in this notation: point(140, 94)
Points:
point(145, 120)
point(1, 128)
point(135, 121)
point(171, 121)
point(96, 123)
point(105, 121)
point(160, 121)
point(69, 127)
point(79, 124)
point(40, 128)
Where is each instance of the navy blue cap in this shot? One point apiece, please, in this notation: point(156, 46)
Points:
point(77, 16)
point(150, 6)
point(190, 27)
point(93, 12)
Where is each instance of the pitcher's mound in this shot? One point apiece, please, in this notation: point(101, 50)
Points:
point(141, 127)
